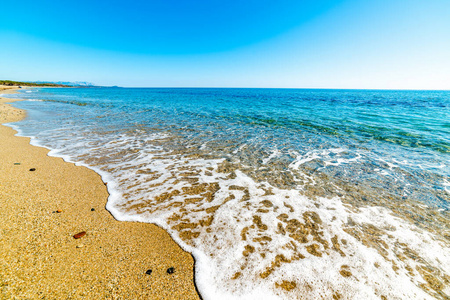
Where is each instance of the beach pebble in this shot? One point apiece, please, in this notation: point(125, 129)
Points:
point(148, 272)
point(79, 235)
point(170, 270)
point(33, 169)
point(80, 246)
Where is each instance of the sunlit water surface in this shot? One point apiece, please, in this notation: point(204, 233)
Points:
point(278, 193)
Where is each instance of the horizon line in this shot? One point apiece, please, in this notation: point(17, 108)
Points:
point(291, 88)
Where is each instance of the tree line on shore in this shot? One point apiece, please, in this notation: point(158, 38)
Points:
point(21, 83)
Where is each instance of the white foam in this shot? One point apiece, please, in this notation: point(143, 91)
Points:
point(219, 250)
point(330, 157)
point(322, 274)
point(275, 153)
point(447, 185)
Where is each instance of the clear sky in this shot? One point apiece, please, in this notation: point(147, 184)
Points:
point(381, 44)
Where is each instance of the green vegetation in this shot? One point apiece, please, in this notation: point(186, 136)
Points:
point(20, 83)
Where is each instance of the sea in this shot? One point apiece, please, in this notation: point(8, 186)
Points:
point(277, 193)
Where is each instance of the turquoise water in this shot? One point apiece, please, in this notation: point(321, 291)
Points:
point(324, 178)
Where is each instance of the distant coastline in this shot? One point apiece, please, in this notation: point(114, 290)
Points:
point(19, 84)
point(12, 83)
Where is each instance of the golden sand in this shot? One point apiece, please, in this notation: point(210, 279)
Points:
point(40, 259)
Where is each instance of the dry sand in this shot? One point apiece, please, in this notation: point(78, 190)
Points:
point(40, 259)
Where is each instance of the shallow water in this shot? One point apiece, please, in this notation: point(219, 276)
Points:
point(284, 193)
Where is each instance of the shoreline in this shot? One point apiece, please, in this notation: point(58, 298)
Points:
point(41, 259)
point(345, 240)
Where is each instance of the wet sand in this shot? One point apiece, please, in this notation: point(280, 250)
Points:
point(39, 257)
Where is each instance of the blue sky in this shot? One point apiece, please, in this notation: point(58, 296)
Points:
point(381, 44)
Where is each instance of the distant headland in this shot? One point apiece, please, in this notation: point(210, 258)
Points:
point(46, 83)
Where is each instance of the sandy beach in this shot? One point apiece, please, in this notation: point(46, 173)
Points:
point(44, 203)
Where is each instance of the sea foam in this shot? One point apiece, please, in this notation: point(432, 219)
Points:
point(264, 220)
